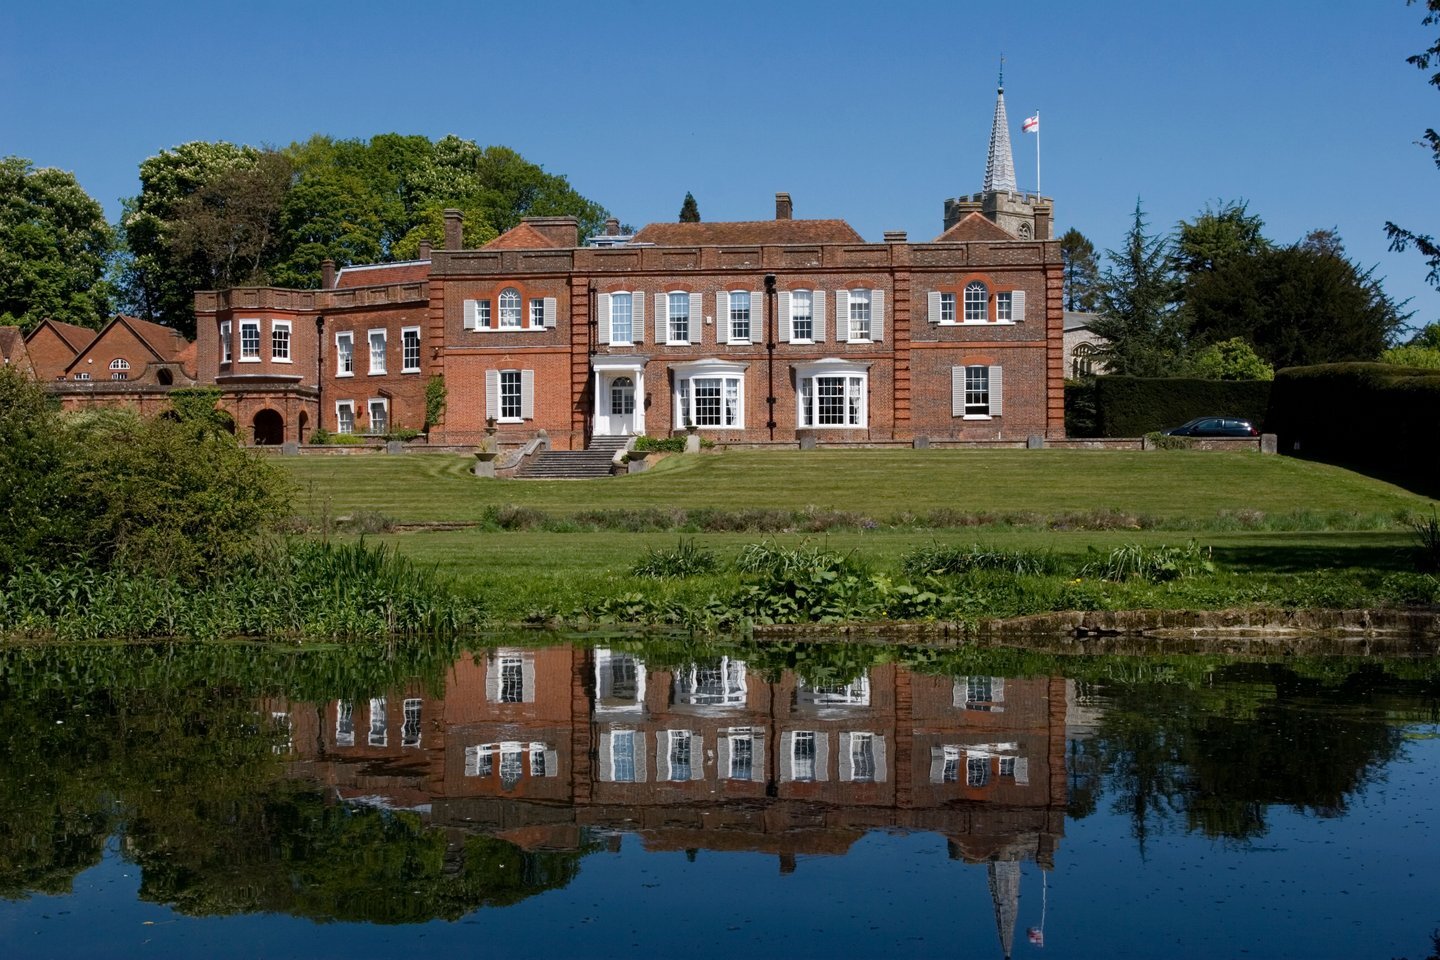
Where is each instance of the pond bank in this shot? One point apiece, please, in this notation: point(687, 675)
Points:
point(1364, 632)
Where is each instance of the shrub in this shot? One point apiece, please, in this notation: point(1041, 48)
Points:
point(1427, 542)
point(1153, 564)
point(937, 559)
point(1135, 406)
point(686, 560)
point(805, 583)
point(644, 444)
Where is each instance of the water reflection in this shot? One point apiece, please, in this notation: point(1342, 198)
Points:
point(357, 794)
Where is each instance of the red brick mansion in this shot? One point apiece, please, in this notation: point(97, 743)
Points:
point(776, 331)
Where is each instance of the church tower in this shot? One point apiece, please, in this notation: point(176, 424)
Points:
point(1025, 216)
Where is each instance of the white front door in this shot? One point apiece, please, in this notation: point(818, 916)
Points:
point(617, 416)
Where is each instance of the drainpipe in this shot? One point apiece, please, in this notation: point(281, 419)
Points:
point(592, 384)
point(769, 322)
point(319, 372)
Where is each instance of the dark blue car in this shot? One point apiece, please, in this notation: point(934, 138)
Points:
point(1214, 427)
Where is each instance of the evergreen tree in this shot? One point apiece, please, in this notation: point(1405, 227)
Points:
point(1082, 270)
point(689, 210)
point(1144, 332)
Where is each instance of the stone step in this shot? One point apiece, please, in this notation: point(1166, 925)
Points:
point(568, 465)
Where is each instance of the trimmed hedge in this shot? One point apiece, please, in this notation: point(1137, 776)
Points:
point(1359, 413)
point(1135, 406)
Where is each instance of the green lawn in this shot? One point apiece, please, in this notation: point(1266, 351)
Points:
point(1174, 485)
point(1343, 522)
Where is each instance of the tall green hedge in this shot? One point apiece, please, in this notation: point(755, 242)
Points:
point(1135, 406)
point(1365, 414)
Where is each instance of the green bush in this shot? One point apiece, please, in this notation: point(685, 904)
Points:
point(685, 560)
point(1135, 406)
point(644, 444)
point(1153, 564)
point(939, 559)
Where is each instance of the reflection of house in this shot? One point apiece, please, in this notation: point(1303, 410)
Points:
point(539, 747)
point(1082, 346)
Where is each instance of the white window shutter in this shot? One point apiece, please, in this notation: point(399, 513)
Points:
point(527, 394)
point(937, 764)
point(697, 317)
point(527, 678)
point(722, 317)
point(607, 756)
point(847, 760)
point(637, 301)
point(934, 300)
point(662, 318)
point(492, 393)
point(787, 757)
point(697, 756)
point(877, 315)
point(997, 689)
point(817, 312)
point(822, 755)
point(783, 299)
point(552, 759)
point(604, 318)
point(492, 679)
point(757, 754)
point(842, 316)
point(722, 756)
point(662, 755)
point(997, 392)
point(642, 771)
point(472, 315)
point(1022, 770)
point(882, 771)
point(550, 305)
point(957, 409)
point(1017, 306)
point(757, 316)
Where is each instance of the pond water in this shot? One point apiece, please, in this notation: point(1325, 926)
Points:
point(624, 797)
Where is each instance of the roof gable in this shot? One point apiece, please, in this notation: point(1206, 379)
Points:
point(163, 343)
point(72, 335)
point(974, 226)
point(523, 237)
point(741, 232)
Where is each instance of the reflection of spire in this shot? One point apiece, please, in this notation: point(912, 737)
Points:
point(1000, 165)
point(1005, 891)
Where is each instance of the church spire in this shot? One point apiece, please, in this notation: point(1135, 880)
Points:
point(1000, 164)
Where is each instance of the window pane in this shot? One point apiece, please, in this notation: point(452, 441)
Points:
point(379, 417)
point(947, 308)
point(707, 401)
point(1003, 306)
point(509, 308)
point(249, 340)
point(859, 314)
point(621, 315)
point(537, 313)
point(377, 351)
point(411, 345)
point(622, 756)
point(679, 317)
point(740, 315)
point(802, 316)
point(622, 396)
point(680, 768)
point(976, 297)
point(862, 756)
point(804, 755)
point(977, 391)
point(510, 394)
point(742, 757)
point(280, 343)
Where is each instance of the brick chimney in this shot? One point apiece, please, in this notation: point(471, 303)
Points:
point(612, 227)
point(784, 210)
point(327, 274)
point(454, 229)
point(424, 250)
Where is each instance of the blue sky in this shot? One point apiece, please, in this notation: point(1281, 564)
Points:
point(874, 112)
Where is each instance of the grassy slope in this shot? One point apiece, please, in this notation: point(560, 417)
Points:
point(878, 483)
point(519, 570)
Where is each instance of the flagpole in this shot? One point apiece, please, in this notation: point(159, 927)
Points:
point(1037, 153)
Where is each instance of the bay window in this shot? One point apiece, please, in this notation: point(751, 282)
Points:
point(710, 394)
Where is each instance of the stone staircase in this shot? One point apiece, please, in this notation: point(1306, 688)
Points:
point(594, 461)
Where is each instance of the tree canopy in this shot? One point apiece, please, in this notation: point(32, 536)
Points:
point(215, 215)
point(689, 210)
point(1402, 238)
point(55, 247)
point(1136, 300)
point(1082, 271)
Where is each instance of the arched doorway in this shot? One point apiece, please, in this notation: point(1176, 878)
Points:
point(302, 426)
point(269, 428)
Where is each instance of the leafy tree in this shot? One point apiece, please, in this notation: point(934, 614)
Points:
point(37, 483)
point(1218, 235)
point(1232, 359)
point(1410, 356)
point(1144, 333)
point(155, 282)
point(1400, 237)
point(689, 210)
point(228, 230)
point(1082, 270)
point(54, 248)
point(1296, 305)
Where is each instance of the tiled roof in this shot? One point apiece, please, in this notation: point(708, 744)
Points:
point(76, 337)
point(167, 342)
point(367, 275)
point(523, 237)
point(10, 341)
point(744, 232)
point(974, 227)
